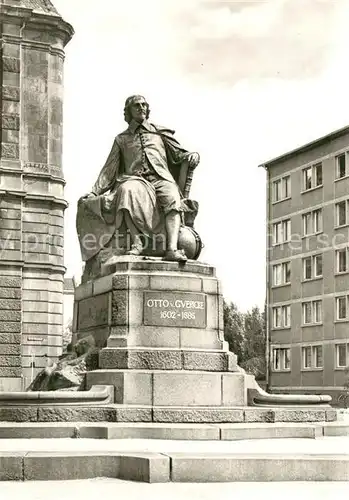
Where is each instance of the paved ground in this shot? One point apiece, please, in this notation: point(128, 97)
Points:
point(115, 489)
point(106, 488)
point(326, 445)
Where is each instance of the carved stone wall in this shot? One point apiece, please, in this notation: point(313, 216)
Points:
point(31, 188)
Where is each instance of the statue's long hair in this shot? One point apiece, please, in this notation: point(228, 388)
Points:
point(129, 101)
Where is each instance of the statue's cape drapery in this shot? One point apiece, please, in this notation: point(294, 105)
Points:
point(95, 225)
point(172, 147)
point(91, 226)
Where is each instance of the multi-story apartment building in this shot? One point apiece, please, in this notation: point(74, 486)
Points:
point(308, 267)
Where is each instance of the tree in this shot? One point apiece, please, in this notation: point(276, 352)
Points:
point(255, 333)
point(255, 338)
point(67, 333)
point(234, 331)
point(246, 336)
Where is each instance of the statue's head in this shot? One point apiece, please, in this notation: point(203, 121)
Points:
point(137, 108)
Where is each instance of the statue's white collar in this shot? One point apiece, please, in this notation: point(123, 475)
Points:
point(133, 126)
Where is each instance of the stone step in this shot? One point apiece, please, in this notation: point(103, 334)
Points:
point(171, 466)
point(167, 359)
point(259, 468)
point(173, 387)
point(164, 414)
point(164, 431)
point(62, 466)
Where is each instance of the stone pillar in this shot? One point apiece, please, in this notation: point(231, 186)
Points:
point(31, 188)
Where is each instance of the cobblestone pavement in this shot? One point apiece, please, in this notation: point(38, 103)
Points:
point(115, 489)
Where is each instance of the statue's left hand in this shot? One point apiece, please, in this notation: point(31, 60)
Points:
point(87, 196)
point(193, 159)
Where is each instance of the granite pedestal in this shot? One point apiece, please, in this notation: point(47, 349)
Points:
point(160, 328)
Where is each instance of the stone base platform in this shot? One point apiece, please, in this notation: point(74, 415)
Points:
point(164, 414)
point(157, 461)
point(163, 358)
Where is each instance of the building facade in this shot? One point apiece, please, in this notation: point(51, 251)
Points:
point(68, 301)
point(308, 267)
point(32, 204)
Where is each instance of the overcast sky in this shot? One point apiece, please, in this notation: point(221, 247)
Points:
point(240, 81)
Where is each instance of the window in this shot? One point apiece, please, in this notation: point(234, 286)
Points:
point(342, 260)
point(282, 188)
point(277, 190)
point(287, 271)
point(318, 174)
point(312, 357)
point(341, 307)
point(317, 220)
point(307, 317)
point(306, 357)
point(341, 167)
point(312, 267)
point(307, 178)
point(312, 222)
point(341, 213)
point(277, 317)
point(307, 268)
point(312, 177)
point(317, 265)
point(312, 312)
point(277, 275)
point(282, 274)
point(318, 356)
point(287, 186)
point(281, 359)
point(317, 311)
point(282, 317)
point(286, 316)
point(282, 231)
point(307, 226)
point(287, 359)
point(342, 351)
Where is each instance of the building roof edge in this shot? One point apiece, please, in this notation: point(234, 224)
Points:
point(306, 147)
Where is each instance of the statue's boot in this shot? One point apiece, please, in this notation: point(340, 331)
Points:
point(176, 256)
point(136, 248)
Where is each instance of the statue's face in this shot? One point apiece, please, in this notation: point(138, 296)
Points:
point(138, 109)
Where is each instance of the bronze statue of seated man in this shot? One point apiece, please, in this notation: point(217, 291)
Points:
point(139, 204)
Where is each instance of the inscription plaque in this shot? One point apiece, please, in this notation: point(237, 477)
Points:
point(181, 309)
